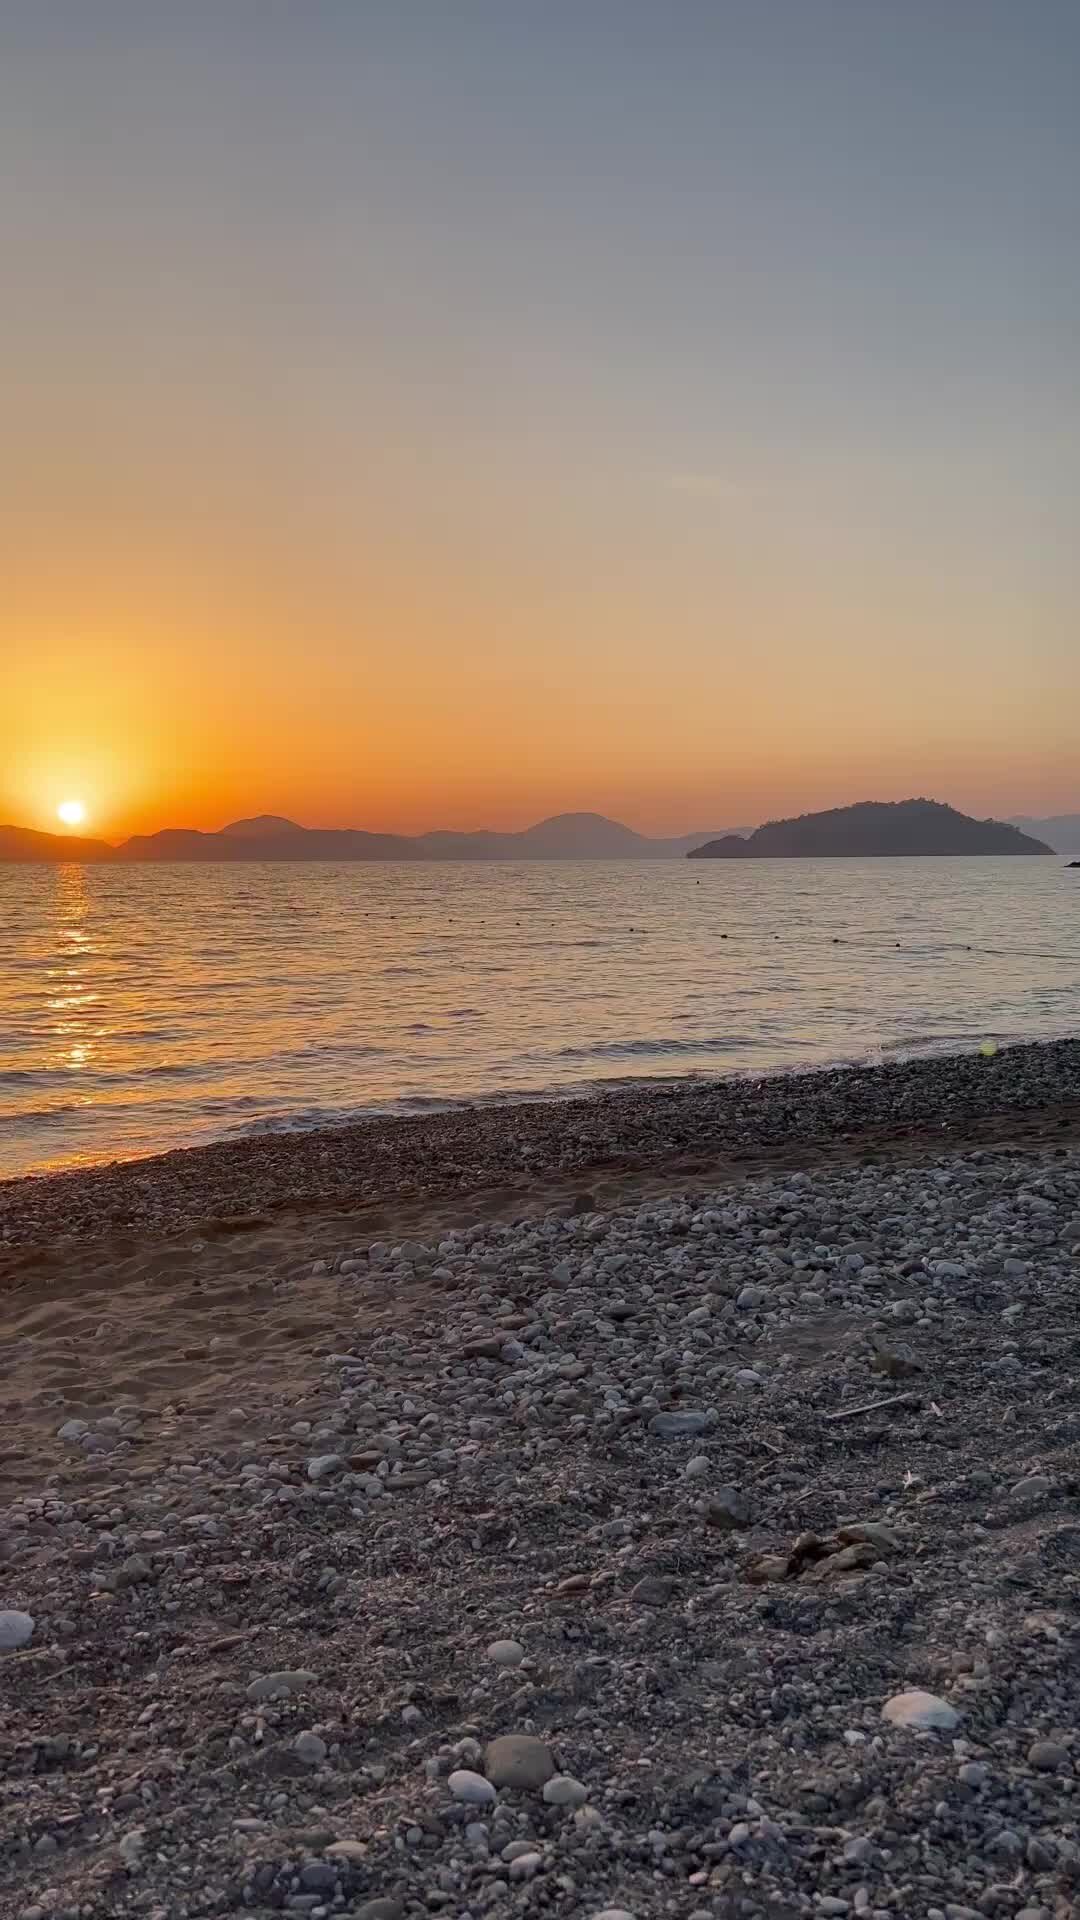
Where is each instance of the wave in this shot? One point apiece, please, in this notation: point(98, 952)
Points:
point(650, 1049)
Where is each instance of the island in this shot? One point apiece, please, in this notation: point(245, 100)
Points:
point(873, 829)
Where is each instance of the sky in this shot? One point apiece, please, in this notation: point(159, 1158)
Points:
point(450, 412)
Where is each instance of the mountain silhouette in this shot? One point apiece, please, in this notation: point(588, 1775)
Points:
point(873, 829)
point(267, 836)
point(21, 845)
point(1061, 830)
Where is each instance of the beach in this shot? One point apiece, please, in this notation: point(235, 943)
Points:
point(679, 1434)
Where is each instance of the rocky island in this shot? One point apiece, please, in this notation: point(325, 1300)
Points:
point(874, 829)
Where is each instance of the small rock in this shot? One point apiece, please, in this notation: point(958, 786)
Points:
point(897, 1363)
point(973, 1774)
point(562, 1790)
point(324, 1464)
point(698, 1467)
point(1032, 1486)
point(270, 1686)
point(471, 1788)
point(672, 1426)
point(727, 1509)
point(380, 1909)
point(351, 1850)
point(525, 1866)
point(518, 1760)
point(309, 1748)
point(920, 1711)
point(871, 1533)
point(1047, 1756)
point(506, 1653)
point(652, 1591)
point(316, 1876)
point(16, 1629)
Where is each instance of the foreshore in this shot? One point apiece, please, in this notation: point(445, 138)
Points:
point(660, 1507)
point(649, 1129)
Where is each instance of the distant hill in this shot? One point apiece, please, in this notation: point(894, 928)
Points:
point(873, 829)
point(1062, 830)
point(268, 836)
point(22, 844)
point(566, 836)
point(264, 843)
point(265, 826)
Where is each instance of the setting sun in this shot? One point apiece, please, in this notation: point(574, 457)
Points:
point(71, 812)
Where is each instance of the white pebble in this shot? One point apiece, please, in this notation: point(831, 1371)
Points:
point(471, 1788)
point(564, 1791)
point(921, 1711)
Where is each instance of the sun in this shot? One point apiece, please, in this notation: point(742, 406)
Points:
point(71, 812)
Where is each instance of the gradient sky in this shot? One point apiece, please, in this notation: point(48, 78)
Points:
point(451, 411)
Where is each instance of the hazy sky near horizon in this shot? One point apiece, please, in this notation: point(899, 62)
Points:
point(452, 411)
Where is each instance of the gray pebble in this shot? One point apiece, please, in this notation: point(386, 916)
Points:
point(562, 1790)
point(506, 1653)
point(16, 1629)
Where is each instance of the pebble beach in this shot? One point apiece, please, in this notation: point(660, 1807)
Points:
point(657, 1504)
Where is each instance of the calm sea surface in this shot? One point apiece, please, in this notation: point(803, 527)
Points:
point(151, 1007)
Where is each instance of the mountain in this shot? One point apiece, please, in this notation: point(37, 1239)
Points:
point(290, 843)
point(1062, 830)
point(264, 826)
point(875, 829)
point(267, 836)
point(22, 844)
point(566, 836)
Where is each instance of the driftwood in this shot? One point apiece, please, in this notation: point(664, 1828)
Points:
point(877, 1406)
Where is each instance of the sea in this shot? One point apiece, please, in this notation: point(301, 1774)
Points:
point(149, 1007)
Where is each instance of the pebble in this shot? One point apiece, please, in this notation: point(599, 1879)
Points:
point(506, 1653)
point(310, 1748)
point(921, 1711)
point(672, 1426)
point(270, 1686)
point(518, 1760)
point(16, 1629)
point(525, 1866)
point(562, 1790)
point(727, 1509)
point(1047, 1756)
point(323, 1465)
point(471, 1788)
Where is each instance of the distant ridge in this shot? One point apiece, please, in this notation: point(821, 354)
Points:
point(873, 829)
point(21, 845)
point(1062, 830)
point(269, 836)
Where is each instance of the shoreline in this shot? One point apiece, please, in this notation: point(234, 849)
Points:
point(642, 1131)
